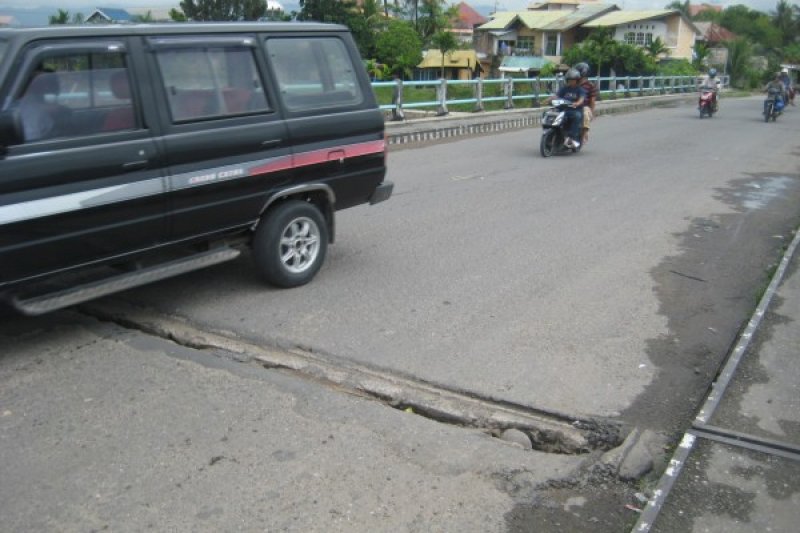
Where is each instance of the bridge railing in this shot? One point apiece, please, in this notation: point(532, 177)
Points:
point(508, 93)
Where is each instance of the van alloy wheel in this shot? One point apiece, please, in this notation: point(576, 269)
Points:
point(290, 244)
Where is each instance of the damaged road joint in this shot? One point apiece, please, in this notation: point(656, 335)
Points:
point(548, 432)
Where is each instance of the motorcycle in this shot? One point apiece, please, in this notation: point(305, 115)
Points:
point(773, 105)
point(554, 122)
point(707, 104)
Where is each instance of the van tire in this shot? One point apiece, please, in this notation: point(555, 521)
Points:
point(290, 244)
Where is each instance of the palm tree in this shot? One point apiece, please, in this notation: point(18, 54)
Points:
point(701, 51)
point(656, 48)
point(62, 17)
point(785, 19)
point(683, 7)
point(446, 42)
point(740, 51)
point(147, 17)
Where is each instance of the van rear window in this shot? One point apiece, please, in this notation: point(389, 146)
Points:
point(314, 73)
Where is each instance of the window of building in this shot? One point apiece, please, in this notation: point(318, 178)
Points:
point(505, 47)
point(648, 39)
point(551, 44)
point(630, 38)
point(525, 46)
point(640, 38)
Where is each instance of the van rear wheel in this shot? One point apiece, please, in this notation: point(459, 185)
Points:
point(290, 244)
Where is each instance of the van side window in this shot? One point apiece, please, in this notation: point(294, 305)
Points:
point(314, 73)
point(74, 95)
point(211, 82)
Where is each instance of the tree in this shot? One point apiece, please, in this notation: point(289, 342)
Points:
point(221, 10)
point(433, 18)
point(701, 51)
point(601, 52)
point(683, 7)
point(335, 11)
point(63, 17)
point(740, 51)
point(783, 18)
point(147, 17)
point(177, 16)
point(656, 48)
point(399, 46)
point(754, 25)
point(446, 42)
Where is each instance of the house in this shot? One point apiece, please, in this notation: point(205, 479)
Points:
point(464, 25)
point(696, 9)
point(541, 34)
point(713, 33)
point(641, 28)
point(109, 15)
point(458, 65)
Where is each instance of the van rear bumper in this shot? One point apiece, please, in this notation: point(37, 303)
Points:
point(382, 192)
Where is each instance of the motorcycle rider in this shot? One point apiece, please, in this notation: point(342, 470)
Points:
point(573, 93)
point(711, 83)
point(591, 98)
point(780, 89)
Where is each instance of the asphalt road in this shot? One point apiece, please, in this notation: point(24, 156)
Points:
point(606, 285)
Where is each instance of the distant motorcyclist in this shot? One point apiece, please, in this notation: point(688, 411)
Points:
point(573, 93)
point(787, 84)
point(590, 101)
point(777, 88)
point(711, 83)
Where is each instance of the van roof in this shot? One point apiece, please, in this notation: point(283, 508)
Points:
point(94, 30)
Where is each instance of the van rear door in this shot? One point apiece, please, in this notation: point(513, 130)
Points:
point(335, 127)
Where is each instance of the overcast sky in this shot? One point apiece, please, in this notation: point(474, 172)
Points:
point(762, 5)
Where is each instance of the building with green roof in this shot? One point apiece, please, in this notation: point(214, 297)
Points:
point(540, 34)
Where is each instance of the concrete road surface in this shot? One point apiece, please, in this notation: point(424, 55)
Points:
point(597, 293)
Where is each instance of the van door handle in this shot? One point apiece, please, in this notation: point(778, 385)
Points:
point(336, 155)
point(271, 142)
point(134, 165)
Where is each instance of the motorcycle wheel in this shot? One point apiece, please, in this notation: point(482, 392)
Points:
point(548, 144)
point(768, 113)
point(702, 111)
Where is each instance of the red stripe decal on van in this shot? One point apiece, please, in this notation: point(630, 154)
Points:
point(276, 165)
point(315, 157)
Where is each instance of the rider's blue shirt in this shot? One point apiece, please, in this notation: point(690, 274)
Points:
point(571, 93)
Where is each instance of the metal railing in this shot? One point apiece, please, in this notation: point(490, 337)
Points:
point(514, 92)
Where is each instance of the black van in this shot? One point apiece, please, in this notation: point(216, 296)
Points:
point(131, 153)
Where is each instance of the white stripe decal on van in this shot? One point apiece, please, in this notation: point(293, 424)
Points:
point(68, 203)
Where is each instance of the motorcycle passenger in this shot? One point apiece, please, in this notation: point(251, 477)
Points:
point(573, 93)
point(787, 84)
point(711, 83)
point(590, 101)
point(779, 90)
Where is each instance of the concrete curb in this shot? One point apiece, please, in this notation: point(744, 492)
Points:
point(454, 125)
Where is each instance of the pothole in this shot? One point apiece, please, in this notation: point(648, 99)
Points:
point(547, 432)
